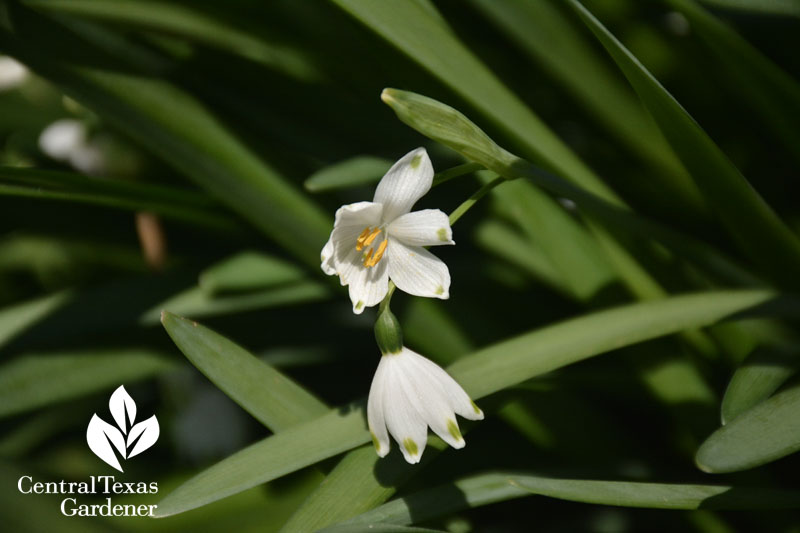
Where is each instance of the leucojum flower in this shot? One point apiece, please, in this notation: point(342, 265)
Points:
point(409, 393)
point(373, 242)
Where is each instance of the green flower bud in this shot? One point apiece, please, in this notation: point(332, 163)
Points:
point(388, 333)
point(445, 125)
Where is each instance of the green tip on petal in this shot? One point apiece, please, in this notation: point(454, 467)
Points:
point(410, 446)
point(442, 234)
point(477, 409)
point(439, 290)
point(375, 441)
point(452, 428)
point(359, 304)
point(415, 161)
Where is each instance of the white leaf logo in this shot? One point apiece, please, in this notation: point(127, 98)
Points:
point(103, 438)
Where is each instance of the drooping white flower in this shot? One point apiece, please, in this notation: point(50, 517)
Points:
point(373, 242)
point(409, 393)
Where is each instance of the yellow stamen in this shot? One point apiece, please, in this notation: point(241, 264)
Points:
point(367, 257)
point(373, 260)
point(372, 236)
point(361, 238)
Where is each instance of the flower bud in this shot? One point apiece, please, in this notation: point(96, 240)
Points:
point(388, 333)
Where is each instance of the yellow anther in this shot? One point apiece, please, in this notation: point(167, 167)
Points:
point(361, 238)
point(372, 260)
point(367, 257)
point(372, 236)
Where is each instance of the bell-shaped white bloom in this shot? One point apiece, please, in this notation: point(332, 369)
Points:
point(410, 393)
point(373, 242)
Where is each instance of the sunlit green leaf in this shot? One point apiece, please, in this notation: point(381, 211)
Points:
point(361, 170)
point(760, 435)
point(276, 401)
point(248, 271)
point(484, 372)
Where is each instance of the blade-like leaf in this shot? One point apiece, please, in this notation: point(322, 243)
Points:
point(543, 31)
point(489, 370)
point(176, 19)
point(361, 170)
point(248, 271)
point(761, 374)
point(273, 399)
point(485, 489)
point(755, 227)
point(760, 435)
point(764, 85)
point(176, 127)
point(28, 382)
point(178, 204)
point(196, 303)
point(15, 319)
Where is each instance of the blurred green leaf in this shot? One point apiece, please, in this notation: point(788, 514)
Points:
point(379, 528)
point(248, 271)
point(760, 435)
point(767, 7)
point(176, 127)
point(360, 170)
point(759, 81)
point(196, 303)
point(16, 318)
point(761, 374)
point(188, 22)
point(272, 398)
point(35, 380)
point(501, 240)
point(174, 203)
point(755, 227)
point(484, 372)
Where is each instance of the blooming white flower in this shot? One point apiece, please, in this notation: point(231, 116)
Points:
point(409, 393)
point(68, 140)
point(375, 241)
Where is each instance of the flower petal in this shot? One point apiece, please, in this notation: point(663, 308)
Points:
point(403, 420)
point(326, 257)
point(361, 214)
point(375, 416)
point(368, 286)
point(417, 271)
point(434, 401)
point(405, 183)
point(428, 227)
point(459, 400)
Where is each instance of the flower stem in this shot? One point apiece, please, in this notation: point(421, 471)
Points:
point(450, 173)
point(469, 202)
point(386, 299)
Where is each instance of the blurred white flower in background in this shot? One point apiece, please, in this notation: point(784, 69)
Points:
point(12, 73)
point(67, 140)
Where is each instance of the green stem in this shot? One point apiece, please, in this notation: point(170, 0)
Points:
point(469, 202)
point(450, 173)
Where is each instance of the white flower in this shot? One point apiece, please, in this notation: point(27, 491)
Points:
point(68, 140)
point(410, 393)
point(375, 241)
point(12, 73)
